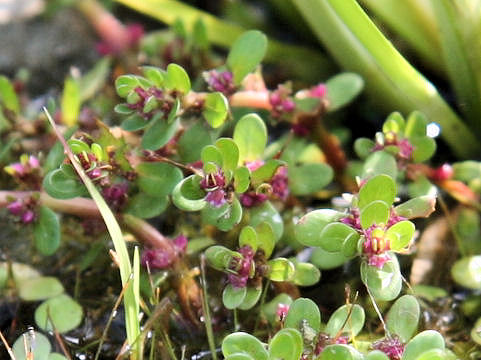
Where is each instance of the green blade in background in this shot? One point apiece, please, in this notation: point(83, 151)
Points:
point(358, 45)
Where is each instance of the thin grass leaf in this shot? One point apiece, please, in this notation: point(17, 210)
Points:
point(130, 298)
point(358, 45)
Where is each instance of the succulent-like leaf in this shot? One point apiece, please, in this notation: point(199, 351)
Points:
point(342, 89)
point(287, 344)
point(250, 135)
point(354, 324)
point(309, 227)
point(303, 310)
point(403, 317)
point(241, 342)
point(232, 297)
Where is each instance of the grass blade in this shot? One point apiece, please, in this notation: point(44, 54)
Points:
point(358, 45)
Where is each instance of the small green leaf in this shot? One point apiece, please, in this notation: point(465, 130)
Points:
point(158, 179)
point(342, 89)
point(421, 343)
point(252, 297)
point(154, 74)
point(219, 257)
point(8, 97)
point(239, 356)
point(46, 231)
point(177, 79)
point(394, 123)
point(376, 212)
point(340, 352)
point(142, 206)
point(325, 260)
point(287, 344)
point(248, 236)
point(400, 234)
point(337, 322)
point(159, 133)
point(266, 212)
point(224, 217)
point(376, 355)
point(421, 206)
point(61, 186)
point(211, 154)
point(269, 310)
point(232, 297)
point(199, 34)
point(280, 269)
point(379, 162)
point(475, 332)
point(41, 350)
point(363, 147)
point(424, 148)
point(403, 317)
point(241, 179)
point(306, 179)
point(60, 313)
point(334, 234)
point(39, 288)
point(215, 109)
point(266, 239)
point(250, 135)
point(380, 187)
point(416, 125)
point(467, 272)
point(229, 152)
point(243, 343)
point(188, 196)
point(301, 310)
point(384, 284)
point(192, 142)
point(309, 227)
point(306, 274)
point(246, 53)
point(71, 102)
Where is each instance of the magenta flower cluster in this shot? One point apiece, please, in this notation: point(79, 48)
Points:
point(160, 259)
point(222, 81)
point(241, 267)
point(24, 210)
point(214, 185)
point(281, 103)
point(390, 346)
point(144, 96)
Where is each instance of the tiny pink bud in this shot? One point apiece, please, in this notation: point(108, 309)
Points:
point(318, 91)
point(15, 207)
point(33, 162)
point(180, 243)
point(282, 310)
point(28, 217)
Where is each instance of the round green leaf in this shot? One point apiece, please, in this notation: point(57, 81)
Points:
point(232, 297)
point(229, 152)
point(61, 313)
point(416, 125)
point(40, 346)
point(252, 297)
point(224, 217)
point(39, 288)
point(333, 236)
point(243, 343)
point(177, 79)
point(188, 196)
point(476, 332)
point(422, 343)
point(352, 326)
point(303, 310)
point(287, 344)
point(20, 272)
point(248, 236)
point(421, 206)
point(250, 135)
point(61, 186)
point(309, 227)
point(265, 172)
point(384, 284)
point(424, 148)
point(380, 187)
point(266, 239)
point(266, 212)
point(400, 234)
point(46, 231)
point(306, 274)
point(467, 272)
point(309, 178)
point(340, 352)
point(434, 354)
point(363, 147)
point(211, 154)
point(280, 269)
point(239, 356)
point(155, 75)
point(192, 142)
point(342, 89)
point(124, 84)
point(142, 206)
point(159, 133)
point(158, 179)
point(394, 123)
point(241, 179)
point(134, 122)
point(379, 162)
point(325, 260)
point(216, 109)
point(403, 317)
point(246, 53)
point(376, 213)
point(219, 257)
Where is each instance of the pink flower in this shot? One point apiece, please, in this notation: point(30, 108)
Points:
point(241, 267)
point(318, 91)
point(279, 183)
point(216, 198)
point(15, 207)
point(251, 199)
point(375, 246)
point(281, 103)
point(392, 347)
point(221, 81)
point(161, 259)
point(254, 165)
point(282, 310)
